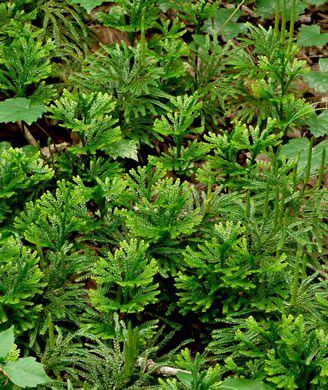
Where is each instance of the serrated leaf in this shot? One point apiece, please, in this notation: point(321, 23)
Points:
point(6, 341)
point(123, 148)
point(244, 384)
point(318, 124)
point(310, 36)
point(318, 80)
point(231, 30)
point(89, 5)
point(266, 8)
point(26, 372)
point(20, 109)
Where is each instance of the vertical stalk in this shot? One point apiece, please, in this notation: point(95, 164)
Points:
point(296, 278)
point(266, 199)
point(282, 208)
point(308, 166)
point(276, 20)
point(304, 264)
point(208, 198)
point(143, 41)
point(197, 33)
point(283, 22)
point(43, 265)
point(248, 204)
point(291, 27)
point(51, 333)
point(276, 209)
point(322, 168)
point(295, 171)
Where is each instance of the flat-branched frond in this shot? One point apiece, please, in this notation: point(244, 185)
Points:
point(21, 281)
point(125, 279)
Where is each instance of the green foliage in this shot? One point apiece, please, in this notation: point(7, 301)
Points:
point(21, 283)
point(318, 124)
point(20, 109)
point(89, 5)
point(231, 30)
point(163, 209)
point(192, 377)
point(24, 372)
point(225, 276)
point(319, 80)
point(180, 198)
point(25, 63)
point(89, 116)
point(125, 280)
point(118, 71)
point(267, 84)
point(266, 8)
point(134, 10)
point(311, 36)
point(22, 176)
point(178, 125)
point(50, 221)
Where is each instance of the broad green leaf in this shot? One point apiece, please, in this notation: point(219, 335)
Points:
point(89, 5)
point(310, 36)
point(291, 149)
point(318, 124)
point(185, 378)
point(266, 8)
point(318, 80)
point(6, 341)
point(316, 2)
point(123, 148)
point(26, 372)
point(231, 30)
point(244, 384)
point(19, 109)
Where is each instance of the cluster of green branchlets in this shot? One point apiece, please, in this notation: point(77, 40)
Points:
point(110, 258)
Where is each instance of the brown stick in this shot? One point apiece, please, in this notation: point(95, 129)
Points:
point(27, 134)
point(164, 370)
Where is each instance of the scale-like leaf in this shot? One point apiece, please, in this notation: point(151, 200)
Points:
point(20, 109)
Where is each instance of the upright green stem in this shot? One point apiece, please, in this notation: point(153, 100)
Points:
point(276, 209)
point(208, 199)
point(296, 278)
point(51, 333)
point(291, 27)
point(322, 168)
point(282, 208)
point(295, 171)
point(266, 199)
point(277, 17)
point(308, 166)
point(248, 204)
point(199, 20)
point(143, 41)
point(283, 22)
